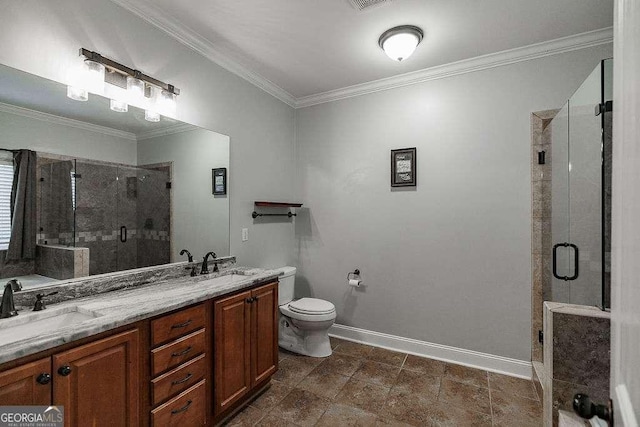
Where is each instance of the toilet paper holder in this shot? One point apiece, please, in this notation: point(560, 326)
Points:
point(353, 274)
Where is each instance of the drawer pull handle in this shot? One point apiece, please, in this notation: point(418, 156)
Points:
point(184, 408)
point(182, 325)
point(184, 380)
point(182, 353)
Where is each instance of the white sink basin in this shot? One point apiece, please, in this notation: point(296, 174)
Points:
point(31, 324)
point(224, 280)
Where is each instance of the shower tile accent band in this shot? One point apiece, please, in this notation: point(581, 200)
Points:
point(101, 236)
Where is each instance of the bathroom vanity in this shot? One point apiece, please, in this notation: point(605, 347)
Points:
point(182, 351)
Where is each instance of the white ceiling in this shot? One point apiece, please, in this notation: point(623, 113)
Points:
point(307, 47)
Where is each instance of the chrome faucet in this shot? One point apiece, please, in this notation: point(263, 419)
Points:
point(205, 263)
point(8, 307)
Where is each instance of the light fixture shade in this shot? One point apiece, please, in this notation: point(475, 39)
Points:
point(166, 103)
point(93, 77)
point(400, 42)
point(77, 94)
point(135, 90)
point(118, 106)
point(151, 116)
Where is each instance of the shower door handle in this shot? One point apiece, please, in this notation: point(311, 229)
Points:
point(123, 234)
point(576, 257)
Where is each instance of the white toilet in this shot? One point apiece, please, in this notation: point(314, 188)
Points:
point(304, 324)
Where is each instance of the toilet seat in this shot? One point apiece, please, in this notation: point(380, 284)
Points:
point(303, 310)
point(311, 306)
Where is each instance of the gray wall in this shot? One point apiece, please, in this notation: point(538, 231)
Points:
point(200, 219)
point(48, 137)
point(261, 127)
point(447, 262)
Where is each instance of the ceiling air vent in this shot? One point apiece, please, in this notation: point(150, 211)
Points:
point(364, 4)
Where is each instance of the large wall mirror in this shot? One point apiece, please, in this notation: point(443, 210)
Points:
point(112, 191)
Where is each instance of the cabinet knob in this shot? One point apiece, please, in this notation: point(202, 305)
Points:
point(64, 370)
point(249, 300)
point(44, 378)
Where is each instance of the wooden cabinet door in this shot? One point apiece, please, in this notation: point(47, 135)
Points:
point(98, 383)
point(264, 325)
point(28, 384)
point(232, 343)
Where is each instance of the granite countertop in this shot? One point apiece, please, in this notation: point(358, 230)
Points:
point(122, 307)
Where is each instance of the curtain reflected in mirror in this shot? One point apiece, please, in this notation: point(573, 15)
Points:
point(22, 244)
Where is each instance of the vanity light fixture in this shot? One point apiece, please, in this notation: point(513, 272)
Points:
point(118, 106)
point(135, 87)
point(94, 76)
point(77, 94)
point(400, 42)
point(135, 90)
point(166, 103)
point(151, 116)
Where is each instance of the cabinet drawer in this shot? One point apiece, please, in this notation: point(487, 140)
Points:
point(177, 352)
point(175, 325)
point(177, 380)
point(188, 409)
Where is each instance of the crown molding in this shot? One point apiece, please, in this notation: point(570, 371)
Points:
point(170, 130)
point(479, 63)
point(195, 41)
point(58, 120)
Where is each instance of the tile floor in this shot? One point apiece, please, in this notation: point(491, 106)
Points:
point(359, 385)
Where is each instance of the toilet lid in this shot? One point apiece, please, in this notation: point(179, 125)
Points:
point(311, 306)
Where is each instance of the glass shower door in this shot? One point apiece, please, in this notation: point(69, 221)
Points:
point(576, 205)
point(154, 216)
point(560, 217)
point(127, 213)
point(585, 183)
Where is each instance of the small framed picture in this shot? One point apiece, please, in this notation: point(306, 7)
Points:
point(219, 181)
point(403, 167)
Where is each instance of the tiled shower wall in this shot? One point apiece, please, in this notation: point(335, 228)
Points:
point(608, 172)
point(540, 224)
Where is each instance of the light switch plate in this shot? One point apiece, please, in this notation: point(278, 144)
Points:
point(245, 234)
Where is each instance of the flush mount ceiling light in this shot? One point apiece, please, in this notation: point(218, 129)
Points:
point(400, 42)
point(123, 85)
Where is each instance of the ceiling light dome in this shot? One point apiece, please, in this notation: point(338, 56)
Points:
point(400, 42)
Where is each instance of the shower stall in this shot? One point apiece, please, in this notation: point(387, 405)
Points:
point(121, 214)
point(571, 245)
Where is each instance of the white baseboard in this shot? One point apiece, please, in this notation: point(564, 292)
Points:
point(460, 356)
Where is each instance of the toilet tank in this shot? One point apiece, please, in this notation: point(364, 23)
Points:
point(285, 288)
